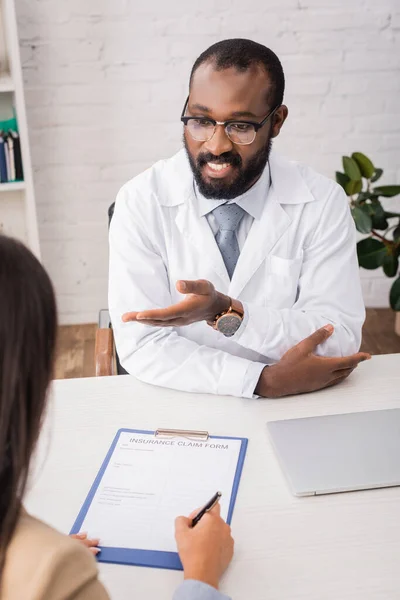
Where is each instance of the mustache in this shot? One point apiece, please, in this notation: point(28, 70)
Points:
point(225, 158)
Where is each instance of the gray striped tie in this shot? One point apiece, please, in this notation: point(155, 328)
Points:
point(228, 217)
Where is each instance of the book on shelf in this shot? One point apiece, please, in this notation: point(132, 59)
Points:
point(3, 160)
point(10, 157)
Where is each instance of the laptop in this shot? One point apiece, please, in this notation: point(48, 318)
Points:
point(339, 453)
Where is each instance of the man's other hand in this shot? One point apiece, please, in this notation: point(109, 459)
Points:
point(300, 370)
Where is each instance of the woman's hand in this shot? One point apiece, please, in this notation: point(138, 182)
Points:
point(89, 543)
point(206, 549)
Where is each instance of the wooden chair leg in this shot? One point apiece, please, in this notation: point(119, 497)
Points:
point(397, 323)
point(104, 352)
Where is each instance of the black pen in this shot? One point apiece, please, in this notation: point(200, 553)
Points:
point(206, 508)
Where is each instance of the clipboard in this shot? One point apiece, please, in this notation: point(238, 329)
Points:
point(154, 558)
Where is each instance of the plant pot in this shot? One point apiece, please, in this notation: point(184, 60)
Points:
point(397, 323)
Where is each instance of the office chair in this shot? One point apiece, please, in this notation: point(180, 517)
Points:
point(106, 357)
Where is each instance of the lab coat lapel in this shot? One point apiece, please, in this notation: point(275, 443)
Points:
point(287, 187)
point(262, 237)
point(198, 232)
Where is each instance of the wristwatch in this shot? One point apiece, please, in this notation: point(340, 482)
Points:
point(229, 321)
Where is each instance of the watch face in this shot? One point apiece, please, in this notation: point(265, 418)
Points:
point(229, 324)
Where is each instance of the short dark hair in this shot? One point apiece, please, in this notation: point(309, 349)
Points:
point(242, 54)
point(28, 325)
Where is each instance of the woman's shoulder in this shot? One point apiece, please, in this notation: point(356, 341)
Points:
point(44, 563)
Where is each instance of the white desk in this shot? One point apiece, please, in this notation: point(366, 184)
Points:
point(333, 547)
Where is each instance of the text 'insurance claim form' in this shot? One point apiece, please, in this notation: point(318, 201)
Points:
point(149, 481)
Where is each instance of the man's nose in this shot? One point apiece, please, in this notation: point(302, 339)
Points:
point(219, 143)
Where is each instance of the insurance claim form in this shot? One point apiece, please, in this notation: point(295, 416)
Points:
point(148, 481)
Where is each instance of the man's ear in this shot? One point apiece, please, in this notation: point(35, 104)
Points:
point(278, 120)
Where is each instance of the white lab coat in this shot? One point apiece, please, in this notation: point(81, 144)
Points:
point(296, 272)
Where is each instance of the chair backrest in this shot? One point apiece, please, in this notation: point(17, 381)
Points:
point(110, 213)
point(120, 368)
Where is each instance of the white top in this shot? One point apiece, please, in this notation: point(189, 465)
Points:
point(252, 201)
point(341, 546)
point(297, 271)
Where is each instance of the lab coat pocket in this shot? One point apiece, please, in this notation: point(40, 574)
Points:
point(282, 281)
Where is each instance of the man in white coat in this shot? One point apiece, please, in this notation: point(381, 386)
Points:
point(229, 255)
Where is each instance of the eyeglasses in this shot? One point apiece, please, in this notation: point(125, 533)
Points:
point(202, 129)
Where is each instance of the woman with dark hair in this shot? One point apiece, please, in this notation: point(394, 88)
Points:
point(37, 562)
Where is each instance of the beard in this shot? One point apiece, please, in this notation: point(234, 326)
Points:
point(218, 189)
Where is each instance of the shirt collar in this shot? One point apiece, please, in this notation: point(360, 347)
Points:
point(252, 201)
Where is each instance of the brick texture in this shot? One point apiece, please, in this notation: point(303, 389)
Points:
point(105, 82)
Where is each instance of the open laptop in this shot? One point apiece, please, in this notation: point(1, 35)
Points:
point(339, 453)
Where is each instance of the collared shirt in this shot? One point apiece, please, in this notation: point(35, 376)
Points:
point(252, 201)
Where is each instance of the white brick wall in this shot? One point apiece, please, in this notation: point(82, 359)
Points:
point(105, 81)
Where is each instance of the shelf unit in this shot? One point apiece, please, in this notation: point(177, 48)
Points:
point(16, 186)
point(17, 200)
point(6, 83)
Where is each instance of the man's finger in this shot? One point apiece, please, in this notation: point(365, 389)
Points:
point(309, 344)
point(169, 323)
point(176, 311)
point(343, 373)
point(201, 287)
point(351, 362)
point(129, 316)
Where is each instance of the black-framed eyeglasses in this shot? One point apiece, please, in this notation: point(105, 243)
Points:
point(202, 129)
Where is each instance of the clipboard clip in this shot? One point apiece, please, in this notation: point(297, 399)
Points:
point(185, 433)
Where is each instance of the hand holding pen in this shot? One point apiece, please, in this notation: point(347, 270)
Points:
point(205, 544)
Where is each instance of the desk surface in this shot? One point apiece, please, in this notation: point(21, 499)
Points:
point(333, 547)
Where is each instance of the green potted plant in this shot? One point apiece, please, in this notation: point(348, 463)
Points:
point(382, 246)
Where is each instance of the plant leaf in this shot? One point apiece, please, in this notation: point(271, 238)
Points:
point(371, 253)
point(353, 187)
point(377, 175)
point(362, 220)
point(390, 265)
point(377, 213)
point(395, 295)
point(379, 223)
point(366, 196)
point(351, 168)
point(365, 165)
point(377, 207)
point(366, 207)
point(387, 191)
point(396, 233)
point(342, 179)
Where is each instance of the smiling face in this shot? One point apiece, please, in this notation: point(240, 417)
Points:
point(223, 169)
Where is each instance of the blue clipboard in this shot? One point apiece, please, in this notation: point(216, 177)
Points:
point(151, 558)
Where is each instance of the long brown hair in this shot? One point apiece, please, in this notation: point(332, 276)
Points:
point(28, 324)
